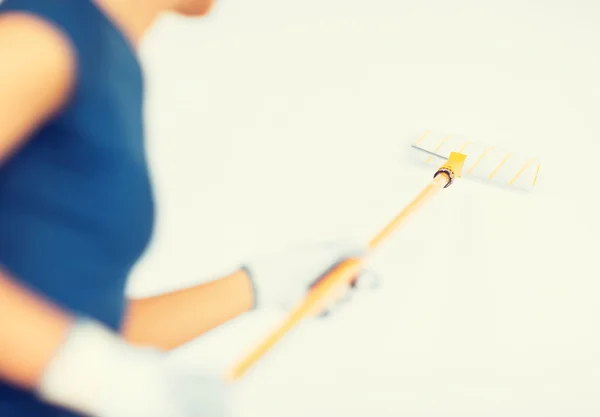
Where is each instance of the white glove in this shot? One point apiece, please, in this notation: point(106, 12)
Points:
point(96, 373)
point(283, 278)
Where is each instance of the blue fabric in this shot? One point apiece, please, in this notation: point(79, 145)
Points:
point(76, 204)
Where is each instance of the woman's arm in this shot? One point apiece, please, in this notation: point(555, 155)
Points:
point(170, 320)
point(31, 331)
point(277, 279)
point(36, 73)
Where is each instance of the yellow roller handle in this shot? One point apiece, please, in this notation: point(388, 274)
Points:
point(343, 274)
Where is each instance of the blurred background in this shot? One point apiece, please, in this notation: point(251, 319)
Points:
point(272, 123)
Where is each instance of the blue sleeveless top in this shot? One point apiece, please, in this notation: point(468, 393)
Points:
point(76, 205)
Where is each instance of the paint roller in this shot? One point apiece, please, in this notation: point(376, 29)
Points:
point(490, 164)
point(484, 162)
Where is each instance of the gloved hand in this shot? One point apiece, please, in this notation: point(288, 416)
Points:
point(283, 279)
point(96, 373)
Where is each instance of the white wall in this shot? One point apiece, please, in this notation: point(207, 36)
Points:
point(275, 122)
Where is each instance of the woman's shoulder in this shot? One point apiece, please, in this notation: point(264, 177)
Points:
point(38, 78)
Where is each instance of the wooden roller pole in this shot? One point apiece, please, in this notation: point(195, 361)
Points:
point(341, 276)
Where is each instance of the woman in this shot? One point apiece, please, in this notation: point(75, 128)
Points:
point(76, 212)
